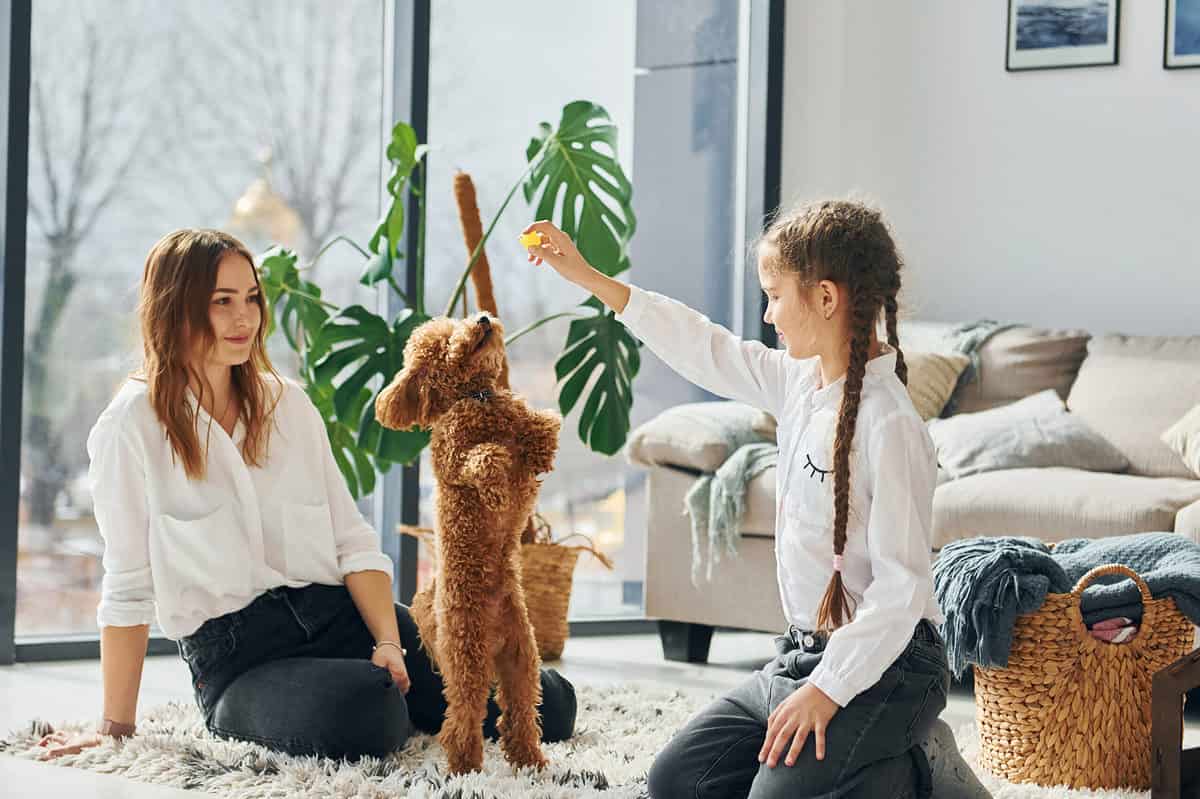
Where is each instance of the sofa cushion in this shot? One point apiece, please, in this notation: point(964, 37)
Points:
point(932, 377)
point(1055, 504)
point(1132, 388)
point(1021, 361)
point(1184, 439)
point(1030, 433)
point(698, 435)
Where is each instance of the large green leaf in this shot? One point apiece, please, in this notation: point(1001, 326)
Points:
point(355, 465)
point(577, 172)
point(362, 354)
point(404, 154)
point(295, 301)
point(600, 348)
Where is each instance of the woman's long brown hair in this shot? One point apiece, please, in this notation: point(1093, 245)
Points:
point(849, 244)
point(177, 285)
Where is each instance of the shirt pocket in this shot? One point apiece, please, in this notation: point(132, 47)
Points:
point(309, 544)
point(199, 562)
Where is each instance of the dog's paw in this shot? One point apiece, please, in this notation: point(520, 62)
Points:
point(524, 755)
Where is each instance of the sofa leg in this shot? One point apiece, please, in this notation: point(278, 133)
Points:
point(684, 641)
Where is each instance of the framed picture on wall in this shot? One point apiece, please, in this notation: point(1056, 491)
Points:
point(1055, 34)
point(1181, 45)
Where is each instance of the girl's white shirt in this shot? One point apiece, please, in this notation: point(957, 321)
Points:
point(191, 550)
point(893, 471)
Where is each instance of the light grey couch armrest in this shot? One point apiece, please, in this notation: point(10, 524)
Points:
point(1187, 521)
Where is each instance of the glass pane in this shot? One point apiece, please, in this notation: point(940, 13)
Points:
point(496, 71)
point(261, 118)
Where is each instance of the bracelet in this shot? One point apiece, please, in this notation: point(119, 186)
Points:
point(117, 729)
point(403, 651)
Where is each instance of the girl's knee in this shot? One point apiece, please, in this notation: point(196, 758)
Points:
point(666, 780)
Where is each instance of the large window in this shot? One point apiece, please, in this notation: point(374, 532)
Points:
point(262, 118)
point(496, 71)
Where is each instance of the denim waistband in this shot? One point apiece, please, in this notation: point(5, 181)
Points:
point(815, 640)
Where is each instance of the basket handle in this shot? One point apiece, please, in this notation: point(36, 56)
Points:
point(1112, 568)
point(590, 548)
point(420, 533)
point(1117, 568)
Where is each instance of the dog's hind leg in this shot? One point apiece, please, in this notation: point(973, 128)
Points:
point(466, 667)
point(519, 691)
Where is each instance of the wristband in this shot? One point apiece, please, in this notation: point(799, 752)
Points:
point(403, 651)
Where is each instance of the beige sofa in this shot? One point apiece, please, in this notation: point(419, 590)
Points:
point(1129, 389)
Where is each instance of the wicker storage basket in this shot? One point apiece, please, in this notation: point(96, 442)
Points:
point(1070, 709)
point(547, 574)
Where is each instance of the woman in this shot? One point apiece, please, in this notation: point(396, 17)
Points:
point(225, 518)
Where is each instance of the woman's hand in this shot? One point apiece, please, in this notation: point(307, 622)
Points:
point(807, 710)
point(392, 659)
point(559, 251)
point(58, 744)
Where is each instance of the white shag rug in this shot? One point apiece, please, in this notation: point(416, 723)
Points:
point(619, 729)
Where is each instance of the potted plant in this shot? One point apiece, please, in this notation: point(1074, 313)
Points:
point(347, 355)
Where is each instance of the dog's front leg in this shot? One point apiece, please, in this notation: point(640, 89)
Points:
point(539, 444)
point(488, 468)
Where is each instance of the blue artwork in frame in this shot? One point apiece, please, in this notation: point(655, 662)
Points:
point(1181, 40)
point(1055, 34)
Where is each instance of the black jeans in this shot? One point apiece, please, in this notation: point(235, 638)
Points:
point(871, 749)
point(292, 671)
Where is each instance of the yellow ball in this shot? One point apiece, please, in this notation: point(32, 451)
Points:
point(531, 239)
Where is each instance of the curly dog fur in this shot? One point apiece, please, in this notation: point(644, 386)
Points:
point(488, 448)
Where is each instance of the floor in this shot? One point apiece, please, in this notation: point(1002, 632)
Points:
point(71, 690)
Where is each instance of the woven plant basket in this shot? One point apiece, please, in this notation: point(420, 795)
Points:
point(1070, 709)
point(547, 574)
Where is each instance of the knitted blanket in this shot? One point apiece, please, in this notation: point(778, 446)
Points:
point(983, 584)
point(716, 503)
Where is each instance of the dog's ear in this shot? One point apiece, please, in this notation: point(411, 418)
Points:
point(404, 403)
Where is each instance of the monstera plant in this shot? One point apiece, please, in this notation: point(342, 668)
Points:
point(347, 355)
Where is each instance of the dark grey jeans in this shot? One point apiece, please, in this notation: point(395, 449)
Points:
point(292, 671)
point(870, 746)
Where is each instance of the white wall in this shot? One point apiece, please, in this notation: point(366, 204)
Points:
point(1060, 198)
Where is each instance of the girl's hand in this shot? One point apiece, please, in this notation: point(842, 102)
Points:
point(58, 744)
point(392, 659)
point(559, 251)
point(807, 710)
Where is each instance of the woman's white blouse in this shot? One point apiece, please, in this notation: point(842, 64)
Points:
point(893, 471)
point(193, 550)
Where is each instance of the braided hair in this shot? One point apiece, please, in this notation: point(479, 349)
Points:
point(849, 244)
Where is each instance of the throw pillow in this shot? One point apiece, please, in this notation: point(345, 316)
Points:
point(697, 435)
point(1184, 438)
point(932, 377)
point(1036, 432)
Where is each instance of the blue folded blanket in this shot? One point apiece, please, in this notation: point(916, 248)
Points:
point(983, 584)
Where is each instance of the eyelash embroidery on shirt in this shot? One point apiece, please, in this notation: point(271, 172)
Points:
point(815, 469)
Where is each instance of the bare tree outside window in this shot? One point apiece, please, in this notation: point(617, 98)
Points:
point(147, 117)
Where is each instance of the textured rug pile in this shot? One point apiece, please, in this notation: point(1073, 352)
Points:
point(619, 729)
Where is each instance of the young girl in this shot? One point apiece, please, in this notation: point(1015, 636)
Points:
point(225, 517)
point(861, 673)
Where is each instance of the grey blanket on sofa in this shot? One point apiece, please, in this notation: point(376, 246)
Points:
point(716, 503)
point(983, 584)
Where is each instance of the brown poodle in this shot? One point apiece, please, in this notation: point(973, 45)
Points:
point(488, 448)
